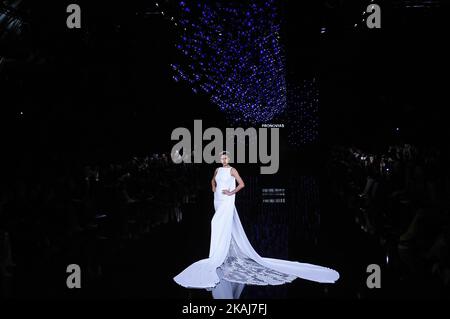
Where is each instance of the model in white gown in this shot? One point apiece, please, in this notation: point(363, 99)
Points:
point(231, 256)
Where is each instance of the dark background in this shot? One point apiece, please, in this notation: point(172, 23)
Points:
point(102, 94)
point(106, 89)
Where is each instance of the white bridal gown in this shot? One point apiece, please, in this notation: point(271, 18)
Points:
point(232, 257)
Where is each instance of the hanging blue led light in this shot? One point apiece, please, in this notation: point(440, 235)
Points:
point(232, 51)
point(302, 114)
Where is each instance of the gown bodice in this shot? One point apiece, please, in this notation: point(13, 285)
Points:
point(224, 180)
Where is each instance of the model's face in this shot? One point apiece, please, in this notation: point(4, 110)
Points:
point(224, 159)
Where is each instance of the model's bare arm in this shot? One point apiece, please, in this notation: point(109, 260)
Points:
point(213, 181)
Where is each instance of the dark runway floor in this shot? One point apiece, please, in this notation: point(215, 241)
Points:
point(298, 219)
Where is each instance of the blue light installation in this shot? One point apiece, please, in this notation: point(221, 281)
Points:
point(231, 50)
point(302, 113)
